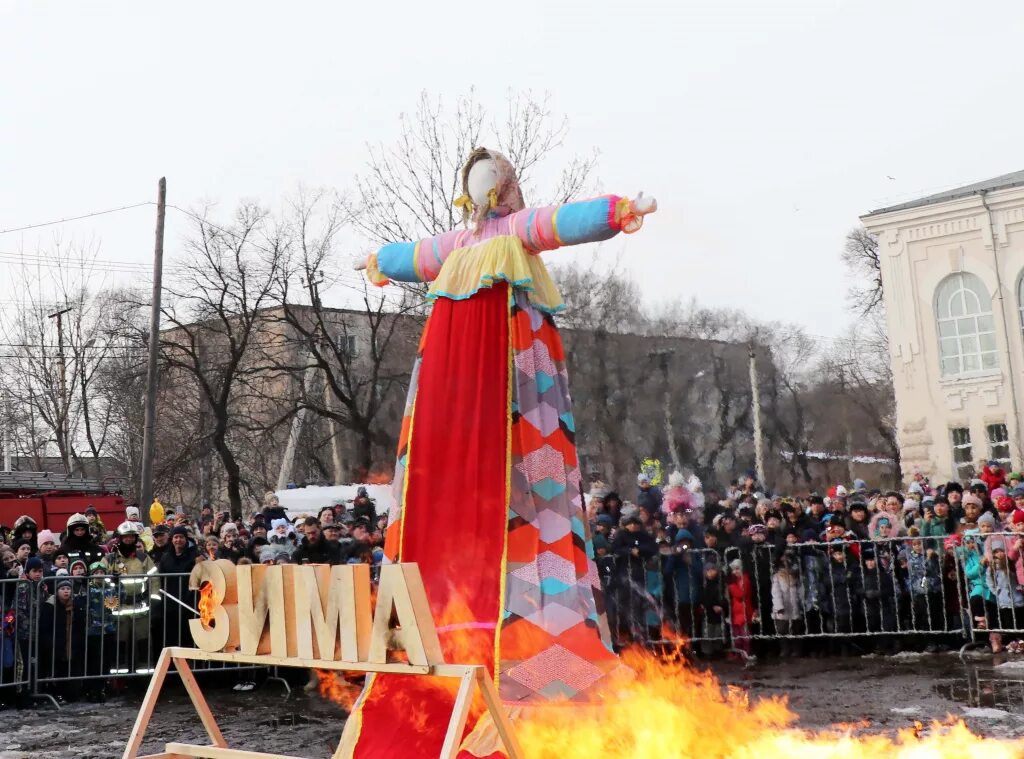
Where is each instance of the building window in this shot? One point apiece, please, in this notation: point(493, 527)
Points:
point(348, 345)
point(967, 336)
point(998, 444)
point(962, 457)
point(1020, 299)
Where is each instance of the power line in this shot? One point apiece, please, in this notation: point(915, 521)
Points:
point(76, 218)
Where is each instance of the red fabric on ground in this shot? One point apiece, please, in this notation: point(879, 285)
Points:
point(455, 517)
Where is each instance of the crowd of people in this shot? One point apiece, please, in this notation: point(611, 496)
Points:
point(90, 604)
point(851, 570)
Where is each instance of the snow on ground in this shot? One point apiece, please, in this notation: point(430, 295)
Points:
point(312, 498)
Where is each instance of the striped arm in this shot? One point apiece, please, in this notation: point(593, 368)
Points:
point(569, 224)
point(417, 261)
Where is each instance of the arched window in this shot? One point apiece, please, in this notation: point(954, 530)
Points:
point(967, 338)
point(1020, 298)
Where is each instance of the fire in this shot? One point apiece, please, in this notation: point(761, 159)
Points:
point(336, 688)
point(670, 709)
point(378, 478)
point(207, 604)
point(666, 708)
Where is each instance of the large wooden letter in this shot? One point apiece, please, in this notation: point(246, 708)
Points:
point(260, 590)
point(401, 588)
point(220, 578)
point(334, 598)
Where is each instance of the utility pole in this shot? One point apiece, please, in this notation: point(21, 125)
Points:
point(7, 431)
point(149, 427)
point(755, 395)
point(62, 420)
point(846, 424)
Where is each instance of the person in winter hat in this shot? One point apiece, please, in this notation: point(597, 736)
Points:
point(697, 501)
point(741, 603)
point(79, 543)
point(47, 542)
point(97, 529)
point(993, 475)
point(684, 570)
point(647, 495)
point(130, 565)
point(786, 606)
point(987, 523)
point(676, 497)
point(26, 529)
point(1015, 549)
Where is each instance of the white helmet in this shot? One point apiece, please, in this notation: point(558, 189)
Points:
point(127, 528)
point(77, 520)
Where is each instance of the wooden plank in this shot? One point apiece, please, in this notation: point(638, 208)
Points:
point(202, 708)
point(460, 712)
point(131, 751)
point(497, 710)
point(216, 752)
point(164, 755)
point(396, 668)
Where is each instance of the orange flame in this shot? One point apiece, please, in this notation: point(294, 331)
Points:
point(207, 603)
point(335, 687)
point(663, 707)
point(669, 709)
point(378, 478)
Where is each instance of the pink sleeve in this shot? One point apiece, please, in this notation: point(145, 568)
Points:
point(574, 223)
point(432, 252)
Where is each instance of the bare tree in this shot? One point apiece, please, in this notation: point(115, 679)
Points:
point(410, 185)
point(361, 356)
point(862, 260)
point(215, 349)
point(51, 373)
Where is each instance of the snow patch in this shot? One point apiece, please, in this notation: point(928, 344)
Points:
point(1010, 666)
point(983, 713)
point(312, 498)
point(906, 710)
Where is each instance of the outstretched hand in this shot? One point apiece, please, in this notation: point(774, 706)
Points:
point(360, 263)
point(642, 206)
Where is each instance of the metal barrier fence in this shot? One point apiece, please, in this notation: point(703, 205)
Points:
point(883, 594)
point(17, 605)
point(992, 566)
point(74, 634)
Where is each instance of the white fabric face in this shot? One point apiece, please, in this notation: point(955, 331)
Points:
point(483, 177)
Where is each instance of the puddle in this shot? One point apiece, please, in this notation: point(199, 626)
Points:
point(289, 720)
point(985, 690)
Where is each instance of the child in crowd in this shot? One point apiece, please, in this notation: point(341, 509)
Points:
point(787, 607)
point(741, 604)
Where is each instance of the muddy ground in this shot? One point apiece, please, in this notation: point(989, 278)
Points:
point(890, 692)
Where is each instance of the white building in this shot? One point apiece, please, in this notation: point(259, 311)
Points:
point(952, 267)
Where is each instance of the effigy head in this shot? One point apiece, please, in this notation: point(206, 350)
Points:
point(490, 187)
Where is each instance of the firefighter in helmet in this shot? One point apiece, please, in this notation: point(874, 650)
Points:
point(132, 572)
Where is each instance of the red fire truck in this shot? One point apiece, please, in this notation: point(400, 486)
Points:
point(51, 498)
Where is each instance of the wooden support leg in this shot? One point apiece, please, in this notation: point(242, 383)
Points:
point(457, 723)
point(199, 702)
point(497, 710)
point(131, 751)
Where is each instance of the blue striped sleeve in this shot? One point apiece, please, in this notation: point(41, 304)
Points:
point(396, 261)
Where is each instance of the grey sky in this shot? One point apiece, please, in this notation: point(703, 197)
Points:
point(763, 128)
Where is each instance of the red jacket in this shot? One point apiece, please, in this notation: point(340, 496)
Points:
point(741, 599)
point(993, 477)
